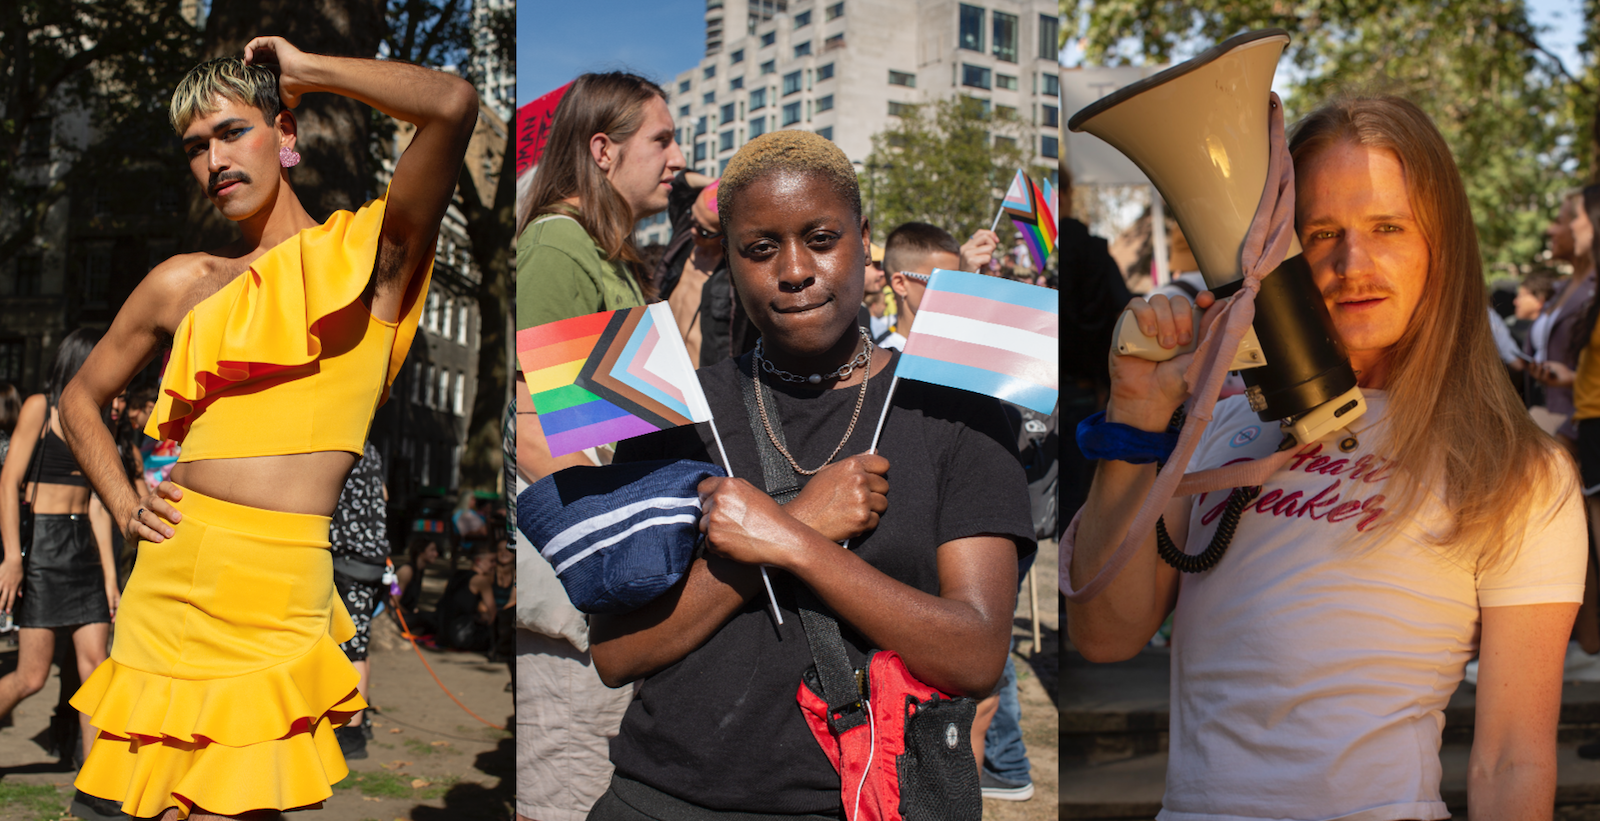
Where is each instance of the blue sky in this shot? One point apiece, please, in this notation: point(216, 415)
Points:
point(559, 39)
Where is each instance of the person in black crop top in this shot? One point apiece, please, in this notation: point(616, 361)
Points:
point(70, 578)
point(930, 572)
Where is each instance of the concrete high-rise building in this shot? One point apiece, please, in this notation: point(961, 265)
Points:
point(846, 69)
point(495, 81)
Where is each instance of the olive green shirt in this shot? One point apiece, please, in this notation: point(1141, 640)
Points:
point(561, 274)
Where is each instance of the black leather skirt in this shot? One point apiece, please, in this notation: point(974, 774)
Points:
point(62, 584)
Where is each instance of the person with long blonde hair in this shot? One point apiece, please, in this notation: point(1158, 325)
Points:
point(1312, 665)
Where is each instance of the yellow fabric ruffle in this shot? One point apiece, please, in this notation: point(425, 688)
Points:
point(269, 320)
point(225, 678)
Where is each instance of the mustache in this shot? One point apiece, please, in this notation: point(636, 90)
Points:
point(1342, 291)
point(219, 180)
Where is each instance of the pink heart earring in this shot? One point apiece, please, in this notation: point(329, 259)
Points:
point(287, 157)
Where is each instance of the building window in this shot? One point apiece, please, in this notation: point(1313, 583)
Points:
point(1005, 36)
point(11, 352)
point(683, 86)
point(709, 98)
point(825, 73)
point(710, 71)
point(758, 99)
point(1005, 81)
point(736, 58)
point(461, 325)
point(1005, 142)
point(802, 50)
point(791, 113)
point(825, 103)
point(416, 383)
point(769, 67)
point(1049, 32)
point(902, 109)
point(444, 389)
point(831, 43)
point(834, 11)
point(901, 78)
point(458, 400)
point(825, 133)
point(769, 38)
point(447, 312)
point(1052, 84)
point(1049, 146)
point(802, 19)
point(758, 126)
point(725, 140)
point(700, 126)
point(700, 152)
point(30, 275)
point(1005, 112)
point(727, 114)
point(735, 84)
point(683, 110)
point(722, 168)
point(427, 388)
point(975, 76)
point(971, 37)
point(1052, 116)
point(791, 83)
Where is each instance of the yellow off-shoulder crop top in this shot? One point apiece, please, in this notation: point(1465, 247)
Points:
point(285, 358)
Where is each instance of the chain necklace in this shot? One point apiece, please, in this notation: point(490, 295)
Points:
point(816, 379)
point(864, 359)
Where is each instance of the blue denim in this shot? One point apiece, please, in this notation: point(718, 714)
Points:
point(1004, 755)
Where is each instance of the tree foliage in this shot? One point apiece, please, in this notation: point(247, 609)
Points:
point(1507, 107)
point(946, 163)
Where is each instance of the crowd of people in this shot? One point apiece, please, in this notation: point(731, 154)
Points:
point(686, 707)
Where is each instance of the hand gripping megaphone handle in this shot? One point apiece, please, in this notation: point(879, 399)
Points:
point(1265, 246)
point(1128, 340)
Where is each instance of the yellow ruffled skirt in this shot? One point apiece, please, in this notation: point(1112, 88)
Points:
point(225, 680)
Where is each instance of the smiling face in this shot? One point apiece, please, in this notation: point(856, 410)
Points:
point(1367, 252)
point(798, 256)
point(641, 168)
point(233, 154)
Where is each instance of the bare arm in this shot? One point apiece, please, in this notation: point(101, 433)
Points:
point(153, 310)
point(1512, 771)
point(444, 108)
point(30, 424)
point(100, 523)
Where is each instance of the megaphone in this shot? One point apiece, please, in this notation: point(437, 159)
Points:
point(1199, 131)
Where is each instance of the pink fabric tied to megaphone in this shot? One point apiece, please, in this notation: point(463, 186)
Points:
point(1265, 246)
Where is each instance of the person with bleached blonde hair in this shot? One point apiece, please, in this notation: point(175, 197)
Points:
point(1312, 664)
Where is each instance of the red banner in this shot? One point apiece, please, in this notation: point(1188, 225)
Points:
point(533, 127)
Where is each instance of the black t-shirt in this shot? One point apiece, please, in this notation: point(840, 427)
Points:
point(721, 727)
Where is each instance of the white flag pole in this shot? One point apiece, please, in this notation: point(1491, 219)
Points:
point(998, 215)
point(773, 599)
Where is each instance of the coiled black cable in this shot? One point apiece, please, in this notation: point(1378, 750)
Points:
point(1208, 558)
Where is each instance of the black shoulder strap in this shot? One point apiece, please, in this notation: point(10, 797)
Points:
point(838, 679)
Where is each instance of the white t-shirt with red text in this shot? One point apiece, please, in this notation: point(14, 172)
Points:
point(1310, 674)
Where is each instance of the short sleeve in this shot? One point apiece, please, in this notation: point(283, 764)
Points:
point(551, 284)
point(1550, 566)
point(984, 490)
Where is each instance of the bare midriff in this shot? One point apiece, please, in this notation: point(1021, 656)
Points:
point(292, 483)
point(52, 498)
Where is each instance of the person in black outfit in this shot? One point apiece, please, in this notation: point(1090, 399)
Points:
point(360, 543)
point(69, 581)
point(930, 572)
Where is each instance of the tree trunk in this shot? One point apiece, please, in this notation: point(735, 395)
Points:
point(334, 172)
point(491, 226)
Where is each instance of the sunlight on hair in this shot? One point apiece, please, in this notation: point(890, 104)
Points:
point(230, 79)
point(799, 151)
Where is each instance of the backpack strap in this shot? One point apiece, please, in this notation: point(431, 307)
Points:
point(837, 678)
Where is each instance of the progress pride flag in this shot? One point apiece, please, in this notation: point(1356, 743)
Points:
point(987, 335)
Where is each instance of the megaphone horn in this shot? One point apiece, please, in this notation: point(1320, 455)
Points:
point(1200, 132)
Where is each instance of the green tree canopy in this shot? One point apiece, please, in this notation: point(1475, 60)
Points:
point(1508, 108)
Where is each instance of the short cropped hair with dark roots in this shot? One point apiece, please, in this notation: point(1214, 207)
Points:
point(910, 244)
point(229, 78)
point(799, 151)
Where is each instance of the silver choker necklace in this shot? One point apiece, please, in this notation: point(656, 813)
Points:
point(841, 372)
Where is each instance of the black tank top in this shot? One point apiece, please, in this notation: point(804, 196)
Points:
point(57, 466)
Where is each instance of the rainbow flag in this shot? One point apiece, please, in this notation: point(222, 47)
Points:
point(987, 335)
point(610, 376)
point(1034, 215)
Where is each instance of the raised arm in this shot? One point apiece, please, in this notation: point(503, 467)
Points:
point(444, 108)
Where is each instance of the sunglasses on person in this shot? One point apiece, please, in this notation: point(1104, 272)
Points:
point(704, 234)
point(922, 278)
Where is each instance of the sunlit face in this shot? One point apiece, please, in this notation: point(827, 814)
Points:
point(233, 154)
point(1366, 250)
point(641, 168)
point(1526, 304)
point(1582, 232)
point(798, 257)
point(1560, 232)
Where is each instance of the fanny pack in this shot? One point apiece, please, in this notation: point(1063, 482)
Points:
point(903, 750)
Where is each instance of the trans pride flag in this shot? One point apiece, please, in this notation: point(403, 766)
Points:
point(1034, 215)
point(987, 335)
point(610, 376)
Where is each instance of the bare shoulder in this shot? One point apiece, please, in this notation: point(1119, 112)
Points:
point(176, 285)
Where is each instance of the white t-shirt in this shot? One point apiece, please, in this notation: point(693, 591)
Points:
point(1310, 675)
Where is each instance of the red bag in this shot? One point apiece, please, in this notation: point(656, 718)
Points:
point(904, 753)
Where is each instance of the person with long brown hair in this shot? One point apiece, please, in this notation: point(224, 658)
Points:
point(1312, 665)
point(610, 161)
